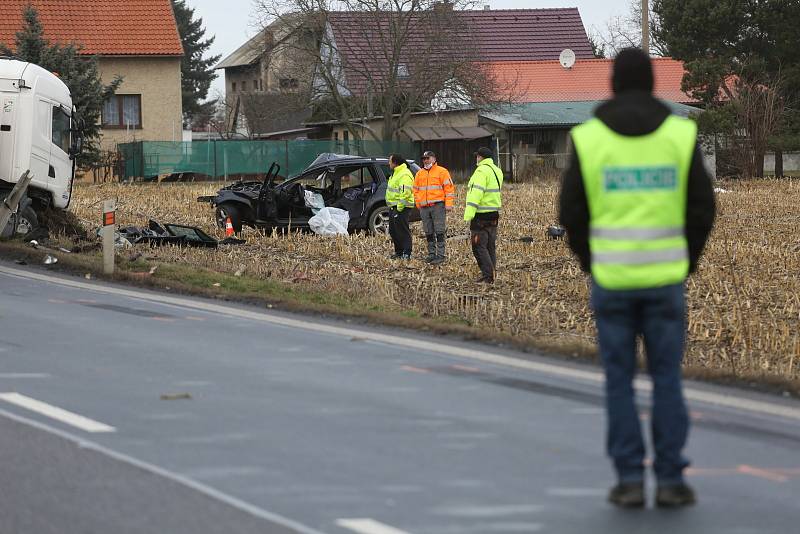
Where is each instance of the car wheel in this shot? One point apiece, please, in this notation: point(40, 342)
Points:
point(379, 221)
point(229, 209)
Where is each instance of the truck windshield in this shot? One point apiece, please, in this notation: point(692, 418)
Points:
point(61, 124)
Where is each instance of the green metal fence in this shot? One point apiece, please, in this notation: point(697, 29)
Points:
point(228, 159)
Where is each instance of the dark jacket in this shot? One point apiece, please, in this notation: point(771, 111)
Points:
point(636, 113)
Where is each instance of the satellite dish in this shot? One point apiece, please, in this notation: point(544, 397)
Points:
point(567, 58)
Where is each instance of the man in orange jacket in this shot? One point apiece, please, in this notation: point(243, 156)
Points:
point(434, 194)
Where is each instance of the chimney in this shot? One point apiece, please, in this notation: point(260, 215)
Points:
point(487, 7)
point(443, 6)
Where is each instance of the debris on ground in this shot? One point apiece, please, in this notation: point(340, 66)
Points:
point(157, 235)
point(145, 274)
point(556, 231)
point(50, 260)
point(720, 190)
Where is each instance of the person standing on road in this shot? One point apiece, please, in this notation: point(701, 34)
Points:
point(434, 194)
point(638, 206)
point(484, 201)
point(400, 199)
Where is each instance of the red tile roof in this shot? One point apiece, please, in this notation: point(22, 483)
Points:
point(101, 27)
point(497, 35)
point(587, 80)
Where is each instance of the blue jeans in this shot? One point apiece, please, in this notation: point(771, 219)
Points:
point(659, 316)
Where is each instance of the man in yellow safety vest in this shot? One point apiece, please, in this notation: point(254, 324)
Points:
point(638, 206)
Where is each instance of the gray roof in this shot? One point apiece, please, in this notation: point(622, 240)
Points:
point(247, 54)
point(557, 114)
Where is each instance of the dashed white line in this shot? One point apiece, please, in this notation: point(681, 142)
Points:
point(368, 526)
point(54, 412)
point(24, 375)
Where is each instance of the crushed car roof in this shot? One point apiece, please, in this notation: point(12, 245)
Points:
point(328, 157)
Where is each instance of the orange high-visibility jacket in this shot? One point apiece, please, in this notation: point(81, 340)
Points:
point(434, 186)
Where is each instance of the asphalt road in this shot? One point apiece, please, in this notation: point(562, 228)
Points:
point(305, 425)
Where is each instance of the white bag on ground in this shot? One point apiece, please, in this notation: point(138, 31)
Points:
point(330, 221)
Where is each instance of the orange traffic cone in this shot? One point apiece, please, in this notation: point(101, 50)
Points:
point(228, 227)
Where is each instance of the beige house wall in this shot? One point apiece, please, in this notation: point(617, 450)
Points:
point(158, 80)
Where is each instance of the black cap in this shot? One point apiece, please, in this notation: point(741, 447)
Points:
point(484, 152)
point(429, 154)
point(633, 71)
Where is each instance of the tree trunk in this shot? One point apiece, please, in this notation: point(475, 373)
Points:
point(779, 163)
point(758, 164)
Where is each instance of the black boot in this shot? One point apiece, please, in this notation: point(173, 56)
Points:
point(675, 495)
point(431, 248)
point(627, 495)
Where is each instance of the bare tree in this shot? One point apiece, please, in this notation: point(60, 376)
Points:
point(381, 58)
point(625, 31)
point(759, 110)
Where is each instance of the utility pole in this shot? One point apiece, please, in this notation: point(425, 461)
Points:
point(646, 27)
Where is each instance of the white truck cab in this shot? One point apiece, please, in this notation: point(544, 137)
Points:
point(37, 133)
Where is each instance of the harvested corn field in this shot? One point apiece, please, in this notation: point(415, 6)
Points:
point(744, 317)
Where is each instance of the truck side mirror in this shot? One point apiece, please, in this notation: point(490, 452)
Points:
point(77, 146)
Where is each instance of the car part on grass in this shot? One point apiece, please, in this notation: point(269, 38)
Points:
point(158, 235)
point(556, 231)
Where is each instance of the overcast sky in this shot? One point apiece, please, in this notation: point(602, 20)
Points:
point(231, 20)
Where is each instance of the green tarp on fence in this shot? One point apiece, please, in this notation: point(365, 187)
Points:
point(229, 159)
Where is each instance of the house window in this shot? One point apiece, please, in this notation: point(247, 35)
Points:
point(244, 87)
point(289, 83)
point(233, 85)
point(255, 85)
point(260, 85)
point(123, 111)
point(402, 70)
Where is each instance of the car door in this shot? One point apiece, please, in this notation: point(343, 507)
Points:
point(290, 197)
point(355, 185)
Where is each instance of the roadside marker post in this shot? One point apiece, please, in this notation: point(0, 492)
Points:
point(109, 223)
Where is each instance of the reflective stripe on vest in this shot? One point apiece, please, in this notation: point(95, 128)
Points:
point(636, 188)
point(483, 209)
point(635, 233)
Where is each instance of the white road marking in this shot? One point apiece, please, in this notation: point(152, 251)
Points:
point(438, 347)
point(487, 512)
point(54, 412)
point(24, 375)
point(239, 504)
point(368, 526)
point(576, 492)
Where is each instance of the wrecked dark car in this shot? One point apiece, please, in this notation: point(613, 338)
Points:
point(355, 184)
